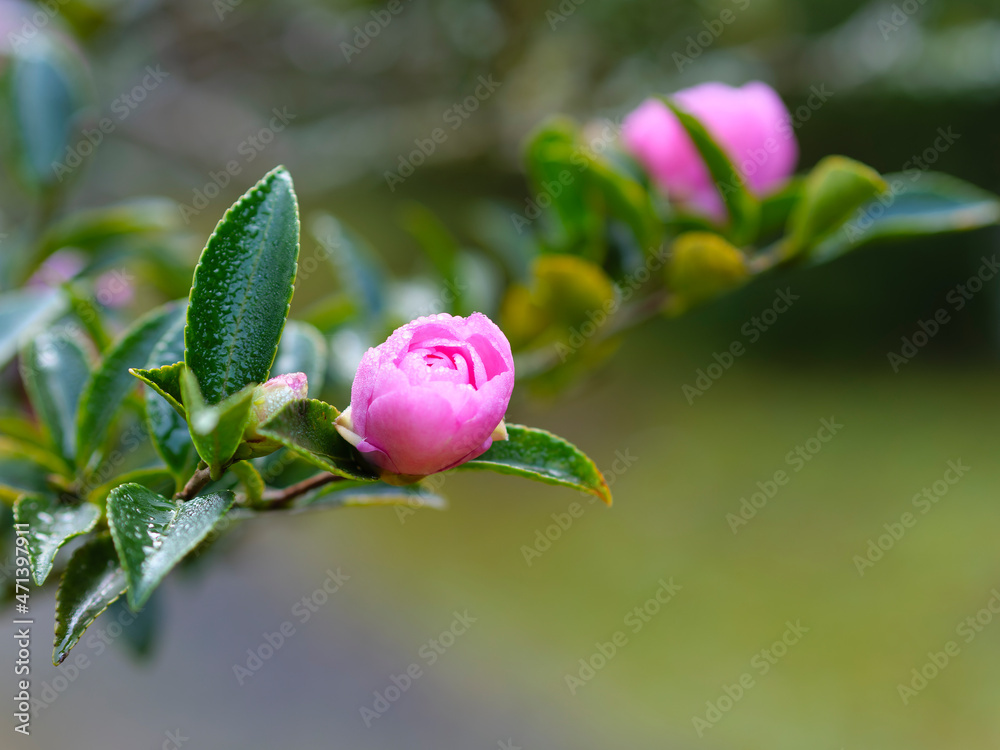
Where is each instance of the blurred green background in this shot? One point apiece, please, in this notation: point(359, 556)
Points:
point(230, 63)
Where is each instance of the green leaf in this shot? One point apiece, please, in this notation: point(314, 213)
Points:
point(54, 368)
point(166, 381)
point(243, 288)
point(440, 247)
point(216, 430)
point(93, 580)
point(24, 312)
point(45, 97)
point(90, 229)
point(50, 525)
point(19, 475)
point(156, 478)
point(164, 414)
point(552, 159)
point(250, 478)
point(925, 204)
point(152, 534)
point(88, 312)
point(111, 382)
point(354, 494)
point(305, 427)
point(742, 206)
point(356, 265)
point(540, 455)
point(777, 207)
point(832, 192)
point(139, 629)
point(302, 349)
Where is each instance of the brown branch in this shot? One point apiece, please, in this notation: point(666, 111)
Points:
point(195, 484)
point(281, 498)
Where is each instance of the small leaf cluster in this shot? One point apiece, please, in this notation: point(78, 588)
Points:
point(200, 360)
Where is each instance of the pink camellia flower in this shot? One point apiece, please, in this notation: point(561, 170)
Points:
point(433, 396)
point(750, 123)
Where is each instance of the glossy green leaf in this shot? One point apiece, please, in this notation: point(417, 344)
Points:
point(243, 288)
point(23, 313)
point(922, 204)
point(92, 581)
point(540, 455)
point(55, 370)
point(743, 208)
point(51, 524)
point(166, 381)
point(834, 189)
point(94, 227)
point(164, 414)
point(305, 427)
point(152, 533)
point(302, 349)
point(111, 382)
point(216, 430)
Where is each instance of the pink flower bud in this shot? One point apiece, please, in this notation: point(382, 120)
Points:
point(750, 123)
point(433, 396)
point(268, 399)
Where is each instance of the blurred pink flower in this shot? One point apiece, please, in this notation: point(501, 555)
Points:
point(431, 397)
point(750, 123)
point(58, 268)
point(114, 289)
